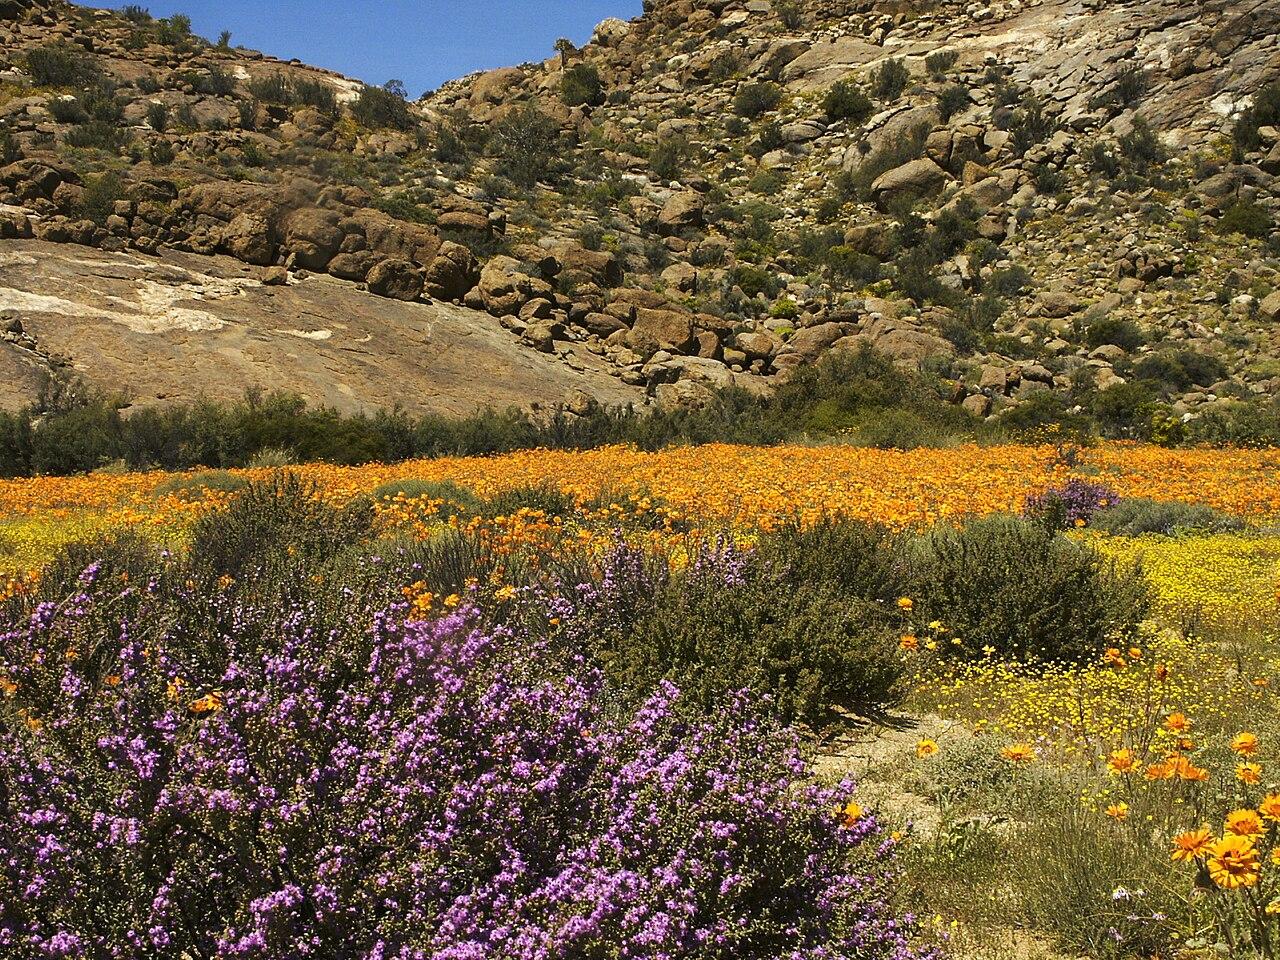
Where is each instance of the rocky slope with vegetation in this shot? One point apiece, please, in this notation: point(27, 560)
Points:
point(1049, 209)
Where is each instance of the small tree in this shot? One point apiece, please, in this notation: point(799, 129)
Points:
point(224, 40)
point(565, 47)
point(525, 144)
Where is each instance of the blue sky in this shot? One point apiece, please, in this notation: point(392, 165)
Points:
point(422, 42)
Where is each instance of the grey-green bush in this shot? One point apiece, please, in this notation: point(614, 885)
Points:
point(196, 486)
point(1135, 516)
point(1025, 591)
point(454, 500)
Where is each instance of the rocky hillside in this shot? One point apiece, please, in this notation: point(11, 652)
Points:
point(1054, 204)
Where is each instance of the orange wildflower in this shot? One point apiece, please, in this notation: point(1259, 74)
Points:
point(1191, 845)
point(1233, 863)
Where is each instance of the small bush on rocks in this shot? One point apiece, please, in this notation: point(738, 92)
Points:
point(1114, 330)
point(889, 80)
point(581, 86)
point(847, 100)
point(756, 99)
point(61, 65)
point(1247, 218)
point(386, 106)
point(953, 100)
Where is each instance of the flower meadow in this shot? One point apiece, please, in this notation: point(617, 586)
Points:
point(599, 705)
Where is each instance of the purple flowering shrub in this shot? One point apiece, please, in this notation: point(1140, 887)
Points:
point(287, 787)
point(1073, 504)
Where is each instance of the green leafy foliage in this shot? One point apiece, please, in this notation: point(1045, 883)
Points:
point(1135, 516)
point(1023, 590)
point(382, 107)
point(733, 620)
point(847, 100)
point(756, 99)
point(61, 65)
point(581, 86)
point(889, 80)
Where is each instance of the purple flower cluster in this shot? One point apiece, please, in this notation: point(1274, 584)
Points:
point(1073, 503)
point(402, 790)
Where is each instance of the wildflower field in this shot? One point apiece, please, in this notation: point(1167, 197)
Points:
point(717, 701)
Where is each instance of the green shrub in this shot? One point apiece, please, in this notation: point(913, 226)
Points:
point(767, 140)
point(385, 106)
point(525, 143)
point(97, 135)
point(581, 86)
point(668, 158)
point(1178, 370)
point(195, 486)
point(847, 100)
point(272, 458)
point(1048, 181)
point(1142, 148)
point(889, 80)
point(939, 64)
point(1247, 218)
point(453, 500)
point(273, 88)
point(907, 429)
point(952, 100)
point(1132, 84)
point(158, 117)
point(67, 110)
point(1114, 330)
point(1123, 410)
point(733, 620)
point(317, 94)
point(753, 280)
point(906, 148)
point(790, 14)
point(784, 309)
point(1010, 282)
point(756, 99)
point(1023, 590)
point(851, 268)
point(281, 520)
point(10, 149)
point(175, 31)
point(767, 183)
point(61, 65)
point(725, 66)
point(98, 201)
point(857, 558)
point(544, 498)
point(1265, 112)
point(1030, 125)
point(1134, 516)
point(135, 13)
